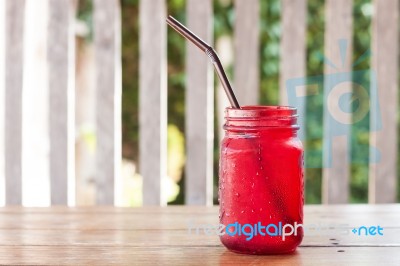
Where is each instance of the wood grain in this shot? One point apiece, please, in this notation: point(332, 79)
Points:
point(61, 55)
point(107, 40)
point(385, 51)
point(152, 100)
point(199, 108)
point(336, 152)
point(246, 41)
point(50, 255)
point(14, 40)
point(159, 235)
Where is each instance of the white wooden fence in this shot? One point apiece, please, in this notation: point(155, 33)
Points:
point(199, 94)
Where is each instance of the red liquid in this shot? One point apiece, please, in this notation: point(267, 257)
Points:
point(261, 179)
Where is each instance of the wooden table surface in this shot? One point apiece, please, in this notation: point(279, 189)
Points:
point(159, 235)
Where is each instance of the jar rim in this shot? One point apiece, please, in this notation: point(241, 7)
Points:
point(255, 117)
point(261, 111)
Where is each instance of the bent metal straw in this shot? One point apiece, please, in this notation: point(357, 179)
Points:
point(185, 32)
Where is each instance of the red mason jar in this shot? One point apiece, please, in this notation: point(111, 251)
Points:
point(261, 180)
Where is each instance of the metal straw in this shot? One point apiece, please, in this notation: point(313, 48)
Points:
point(185, 32)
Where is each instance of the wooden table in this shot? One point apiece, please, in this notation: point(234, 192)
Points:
point(159, 235)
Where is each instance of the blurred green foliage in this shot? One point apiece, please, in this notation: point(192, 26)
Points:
point(270, 32)
point(130, 78)
point(360, 131)
point(315, 48)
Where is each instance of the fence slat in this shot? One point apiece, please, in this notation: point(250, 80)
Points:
point(199, 108)
point(293, 53)
point(224, 48)
point(246, 46)
point(13, 99)
point(60, 72)
point(107, 39)
point(385, 52)
point(152, 100)
point(338, 34)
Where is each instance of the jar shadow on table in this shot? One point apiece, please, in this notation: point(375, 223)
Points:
point(228, 257)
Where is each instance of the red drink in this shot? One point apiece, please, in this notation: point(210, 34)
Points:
point(261, 180)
